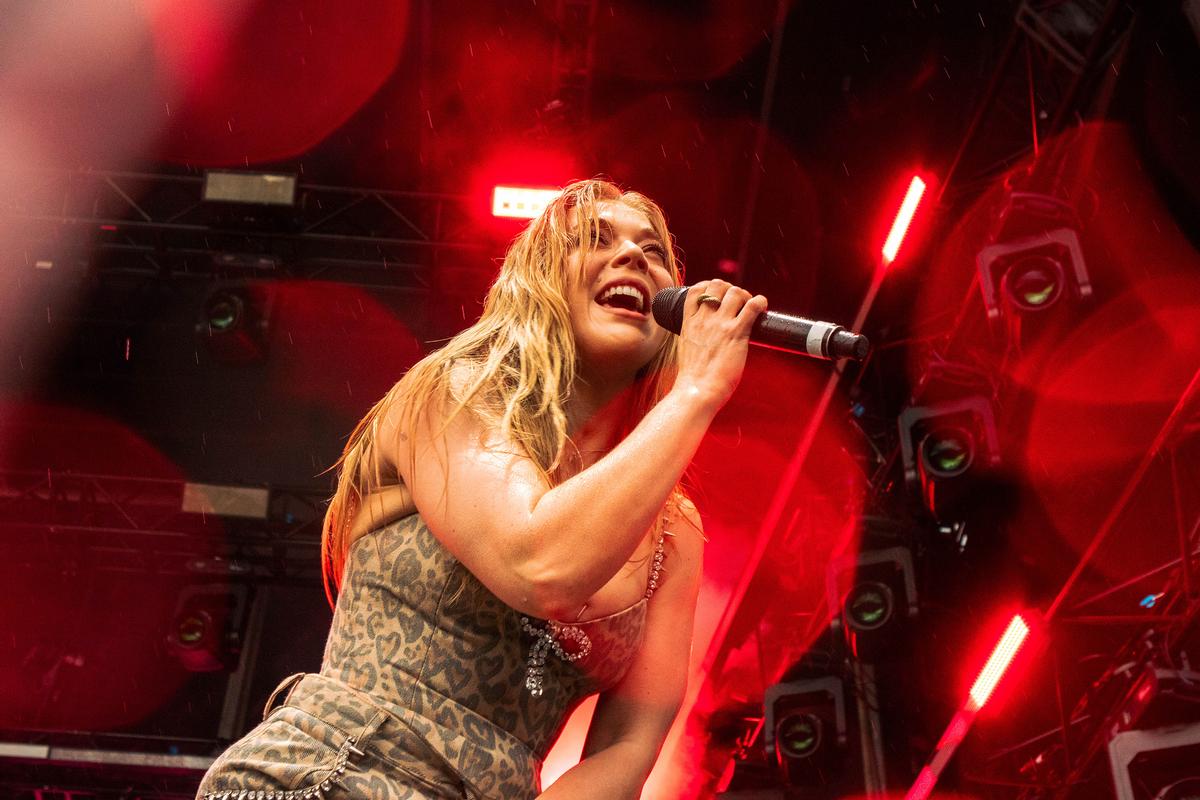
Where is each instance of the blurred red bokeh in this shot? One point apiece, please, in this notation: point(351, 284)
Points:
point(335, 346)
point(264, 81)
point(89, 635)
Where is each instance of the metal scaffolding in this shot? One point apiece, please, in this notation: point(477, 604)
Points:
point(160, 225)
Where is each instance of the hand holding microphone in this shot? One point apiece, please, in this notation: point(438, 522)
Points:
point(772, 329)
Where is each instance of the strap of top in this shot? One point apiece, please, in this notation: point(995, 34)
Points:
point(658, 559)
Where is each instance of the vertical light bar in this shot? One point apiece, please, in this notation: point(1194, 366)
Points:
point(904, 218)
point(997, 664)
point(1003, 654)
point(923, 786)
point(521, 202)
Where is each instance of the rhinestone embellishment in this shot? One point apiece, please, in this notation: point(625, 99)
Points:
point(550, 637)
point(657, 568)
point(315, 792)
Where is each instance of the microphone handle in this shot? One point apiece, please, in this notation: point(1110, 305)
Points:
point(774, 330)
point(808, 337)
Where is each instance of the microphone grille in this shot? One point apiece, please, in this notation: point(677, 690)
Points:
point(667, 307)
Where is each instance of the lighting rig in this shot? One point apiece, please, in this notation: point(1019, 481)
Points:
point(1033, 273)
point(945, 449)
point(232, 552)
point(875, 593)
point(226, 224)
point(1034, 257)
point(805, 731)
point(1031, 268)
point(227, 549)
point(1142, 714)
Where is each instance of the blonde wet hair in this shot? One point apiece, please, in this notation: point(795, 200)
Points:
point(514, 368)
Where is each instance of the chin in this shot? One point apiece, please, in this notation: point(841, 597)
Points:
point(630, 363)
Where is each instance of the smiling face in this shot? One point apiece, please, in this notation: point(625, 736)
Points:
point(611, 281)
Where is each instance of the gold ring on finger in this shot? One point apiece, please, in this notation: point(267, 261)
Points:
point(709, 299)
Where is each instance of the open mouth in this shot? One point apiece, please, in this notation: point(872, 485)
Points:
point(625, 297)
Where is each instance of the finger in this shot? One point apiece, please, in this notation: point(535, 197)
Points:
point(755, 305)
point(707, 293)
point(752, 309)
point(734, 299)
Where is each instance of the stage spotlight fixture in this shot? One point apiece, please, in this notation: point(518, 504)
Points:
point(235, 321)
point(521, 202)
point(254, 188)
point(252, 201)
point(1156, 764)
point(206, 628)
point(1034, 257)
point(941, 444)
point(804, 730)
point(225, 310)
point(876, 591)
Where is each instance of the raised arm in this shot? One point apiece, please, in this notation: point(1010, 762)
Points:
point(545, 551)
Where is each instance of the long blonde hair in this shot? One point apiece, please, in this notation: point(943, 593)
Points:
point(520, 360)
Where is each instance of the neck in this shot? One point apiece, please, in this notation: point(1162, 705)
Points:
point(596, 411)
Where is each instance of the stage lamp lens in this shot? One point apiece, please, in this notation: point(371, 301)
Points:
point(947, 452)
point(191, 629)
point(799, 735)
point(224, 311)
point(869, 606)
point(1034, 283)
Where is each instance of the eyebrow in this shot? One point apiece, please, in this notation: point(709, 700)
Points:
point(642, 233)
point(649, 233)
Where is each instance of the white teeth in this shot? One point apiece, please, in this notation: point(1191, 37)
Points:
point(627, 290)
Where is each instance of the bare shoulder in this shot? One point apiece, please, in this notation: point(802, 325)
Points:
point(415, 424)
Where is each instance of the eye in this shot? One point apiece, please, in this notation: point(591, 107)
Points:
point(656, 248)
point(600, 235)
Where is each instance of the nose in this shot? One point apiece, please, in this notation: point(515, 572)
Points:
point(631, 255)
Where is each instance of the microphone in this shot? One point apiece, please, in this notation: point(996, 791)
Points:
point(772, 329)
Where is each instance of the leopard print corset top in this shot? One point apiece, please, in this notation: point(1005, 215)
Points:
point(416, 631)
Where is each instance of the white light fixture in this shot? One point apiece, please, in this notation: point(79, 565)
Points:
point(521, 202)
point(258, 188)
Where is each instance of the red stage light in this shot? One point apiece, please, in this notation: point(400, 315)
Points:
point(904, 218)
point(521, 202)
point(923, 786)
point(997, 664)
point(1002, 655)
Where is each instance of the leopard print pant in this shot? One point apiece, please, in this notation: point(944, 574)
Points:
point(329, 741)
